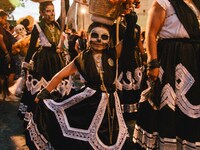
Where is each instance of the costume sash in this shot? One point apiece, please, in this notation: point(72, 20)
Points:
point(187, 17)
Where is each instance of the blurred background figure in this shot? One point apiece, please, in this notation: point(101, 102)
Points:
point(7, 63)
point(72, 42)
point(19, 31)
point(81, 42)
point(27, 22)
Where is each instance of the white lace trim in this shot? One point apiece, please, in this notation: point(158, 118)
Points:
point(184, 81)
point(134, 83)
point(38, 139)
point(22, 108)
point(43, 39)
point(177, 144)
point(145, 139)
point(34, 85)
point(118, 84)
point(151, 141)
point(90, 134)
point(168, 97)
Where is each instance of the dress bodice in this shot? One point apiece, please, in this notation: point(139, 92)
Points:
point(89, 69)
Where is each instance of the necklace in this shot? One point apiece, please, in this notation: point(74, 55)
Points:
point(110, 113)
point(51, 28)
point(97, 58)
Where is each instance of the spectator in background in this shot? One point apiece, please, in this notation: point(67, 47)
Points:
point(81, 42)
point(143, 40)
point(11, 28)
point(19, 34)
point(27, 22)
point(64, 44)
point(7, 63)
point(131, 68)
point(72, 41)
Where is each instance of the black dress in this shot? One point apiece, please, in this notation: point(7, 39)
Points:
point(175, 124)
point(91, 118)
point(42, 63)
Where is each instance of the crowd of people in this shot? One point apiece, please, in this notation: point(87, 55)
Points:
point(86, 90)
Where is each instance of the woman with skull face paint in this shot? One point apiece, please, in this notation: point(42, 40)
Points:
point(92, 117)
point(42, 62)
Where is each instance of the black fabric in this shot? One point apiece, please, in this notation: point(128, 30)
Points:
point(7, 67)
point(32, 47)
point(46, 63)
point(128, 60)
point(179, 60)
point(87, 68)
point(72, 41)
point(130, 42)
point(186, 16)
point(82, 43)
point(44, 94)
point(187, 55)
point(197, 4)
point(80, 115)
point(34, 37)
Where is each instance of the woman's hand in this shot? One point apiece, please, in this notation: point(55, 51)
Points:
point(44, 94)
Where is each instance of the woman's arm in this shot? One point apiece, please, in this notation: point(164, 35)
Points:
point(65, 72)
point(33, 43)
point(119, 49)
point(154, 23)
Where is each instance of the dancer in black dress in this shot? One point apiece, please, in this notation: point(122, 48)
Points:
point(42, 62)
point(169, 113)
point(92, 117)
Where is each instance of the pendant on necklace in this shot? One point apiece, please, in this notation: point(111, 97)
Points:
point(53, 39)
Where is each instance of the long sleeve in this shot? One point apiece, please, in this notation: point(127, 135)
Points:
point(33, 41)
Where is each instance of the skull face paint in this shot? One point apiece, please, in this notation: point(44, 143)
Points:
point(49, 14)
point(99, 38)
point(19, 31)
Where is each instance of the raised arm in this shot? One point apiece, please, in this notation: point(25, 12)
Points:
point(65, 72)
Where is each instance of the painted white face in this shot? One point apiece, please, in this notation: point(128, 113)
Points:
point(19, 29)
point(49, 14)
point(99, 38)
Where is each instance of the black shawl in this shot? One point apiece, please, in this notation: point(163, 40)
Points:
point(187, 17)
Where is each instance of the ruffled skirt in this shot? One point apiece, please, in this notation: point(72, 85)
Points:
point(175, 125)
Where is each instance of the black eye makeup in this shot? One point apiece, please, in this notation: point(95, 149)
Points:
point(94, 35)
point(103, 36)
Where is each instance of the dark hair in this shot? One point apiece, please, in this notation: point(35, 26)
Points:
point(97, 24)
point(3, 13)
point(11, 27)
point(143, 34)
point(73, 30)
point(82, 33)
point(25, 23)
point(43, 5)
